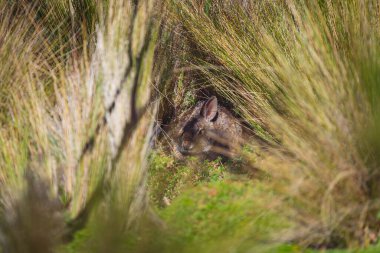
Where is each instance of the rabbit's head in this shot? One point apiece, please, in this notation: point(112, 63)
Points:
point(194, 136)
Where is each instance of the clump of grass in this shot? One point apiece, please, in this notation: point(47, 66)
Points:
point(293, 72)
point(15, 29)
point(45, 34)
point(86, 140)
point(68, 26)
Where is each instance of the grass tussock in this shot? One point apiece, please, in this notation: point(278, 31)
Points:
point(297, 66)
point(85, 137)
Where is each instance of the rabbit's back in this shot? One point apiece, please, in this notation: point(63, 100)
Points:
point(228, 125)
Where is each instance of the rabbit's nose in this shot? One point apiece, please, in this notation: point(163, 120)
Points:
point(186, 145)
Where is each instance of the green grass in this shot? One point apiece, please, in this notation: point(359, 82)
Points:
point(217, 217)
point(211, 209)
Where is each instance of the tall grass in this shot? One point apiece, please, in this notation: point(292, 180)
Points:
point(308, 72)
point(44, 32)
point(78, 79)
point(78, 149)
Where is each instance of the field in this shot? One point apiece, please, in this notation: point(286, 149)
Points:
point(92, 94)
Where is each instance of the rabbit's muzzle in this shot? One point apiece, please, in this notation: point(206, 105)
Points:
point(187, 146)
point(194, 144)
point(186, 143)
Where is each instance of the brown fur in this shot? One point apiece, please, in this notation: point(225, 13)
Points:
point(207, 130)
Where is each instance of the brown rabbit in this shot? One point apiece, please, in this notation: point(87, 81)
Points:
point(208, 130)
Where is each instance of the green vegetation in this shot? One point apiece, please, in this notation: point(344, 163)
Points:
point(216, 217)
point(294, 64)
point(168, 177)
point(87, 86)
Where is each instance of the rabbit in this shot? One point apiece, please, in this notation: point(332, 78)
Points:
point(208, 130)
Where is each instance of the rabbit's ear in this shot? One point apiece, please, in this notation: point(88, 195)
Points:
point(210, 108)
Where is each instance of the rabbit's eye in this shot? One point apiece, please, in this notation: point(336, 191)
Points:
point(201, 131)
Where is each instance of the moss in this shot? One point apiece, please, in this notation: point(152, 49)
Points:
point(168, 177)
